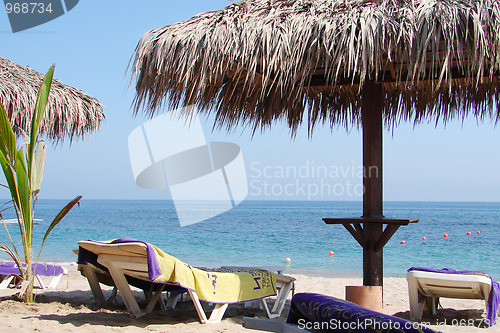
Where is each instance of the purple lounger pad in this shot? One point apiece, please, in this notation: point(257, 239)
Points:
point(325, 313)
point(9, 268)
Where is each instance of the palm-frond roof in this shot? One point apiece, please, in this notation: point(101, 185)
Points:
point(258, 61)
point(70, 113)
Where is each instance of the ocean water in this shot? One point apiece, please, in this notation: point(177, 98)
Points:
point(267, 232)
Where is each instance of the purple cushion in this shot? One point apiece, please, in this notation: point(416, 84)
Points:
point(326, 313)
point(8, 268)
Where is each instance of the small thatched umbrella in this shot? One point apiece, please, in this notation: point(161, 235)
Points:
point(70, 113)
point(339, 62)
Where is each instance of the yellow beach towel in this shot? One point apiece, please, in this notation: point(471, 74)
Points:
point(216, 286)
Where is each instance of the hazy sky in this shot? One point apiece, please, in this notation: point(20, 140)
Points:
point(91, 46)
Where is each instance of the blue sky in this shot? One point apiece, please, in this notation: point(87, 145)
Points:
point(91, 46)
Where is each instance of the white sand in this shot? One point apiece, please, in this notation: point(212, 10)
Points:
point(71, 308)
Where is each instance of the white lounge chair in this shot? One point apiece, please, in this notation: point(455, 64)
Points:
point(428, 286)
point(130, 259)
point(10, 274)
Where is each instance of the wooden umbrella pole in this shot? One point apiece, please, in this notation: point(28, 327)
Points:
point(371, 118)
point(372, 231)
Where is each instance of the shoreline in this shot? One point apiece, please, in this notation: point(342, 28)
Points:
point(286, 271)
point(71, 308)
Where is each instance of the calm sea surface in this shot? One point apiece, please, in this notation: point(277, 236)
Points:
point(267, 232)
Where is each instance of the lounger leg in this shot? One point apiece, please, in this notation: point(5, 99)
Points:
point(199, 308)
point(154, 299)
point(161, 303)
point(124, 289)
point(112, 298)
point(40, 282)
point(94, 284)
point(54, 282)
point(281, 299)
point(24, 286)
point(148, 294)
point(416, 305)
point(432, 304)
point(268, 313)
point(217, 312)
point(172, 300)
point(6, 281)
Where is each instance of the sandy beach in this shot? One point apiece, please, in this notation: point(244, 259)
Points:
point(71, 308)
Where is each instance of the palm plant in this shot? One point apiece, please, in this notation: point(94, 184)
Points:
point(23, 170)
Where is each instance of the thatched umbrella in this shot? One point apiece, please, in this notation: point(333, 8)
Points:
point(70, 112)
point(337, 62)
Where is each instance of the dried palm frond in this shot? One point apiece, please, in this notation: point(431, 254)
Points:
point(70, 113)
point(259, 61)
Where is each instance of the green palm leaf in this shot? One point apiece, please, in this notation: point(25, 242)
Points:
point(37, 169)
point(41, 103)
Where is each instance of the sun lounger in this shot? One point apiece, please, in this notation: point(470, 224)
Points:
point(311, 312)
point(427, 285)
point(10, 274)
point(126, 259)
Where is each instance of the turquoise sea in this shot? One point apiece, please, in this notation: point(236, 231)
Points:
point(267, 232)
